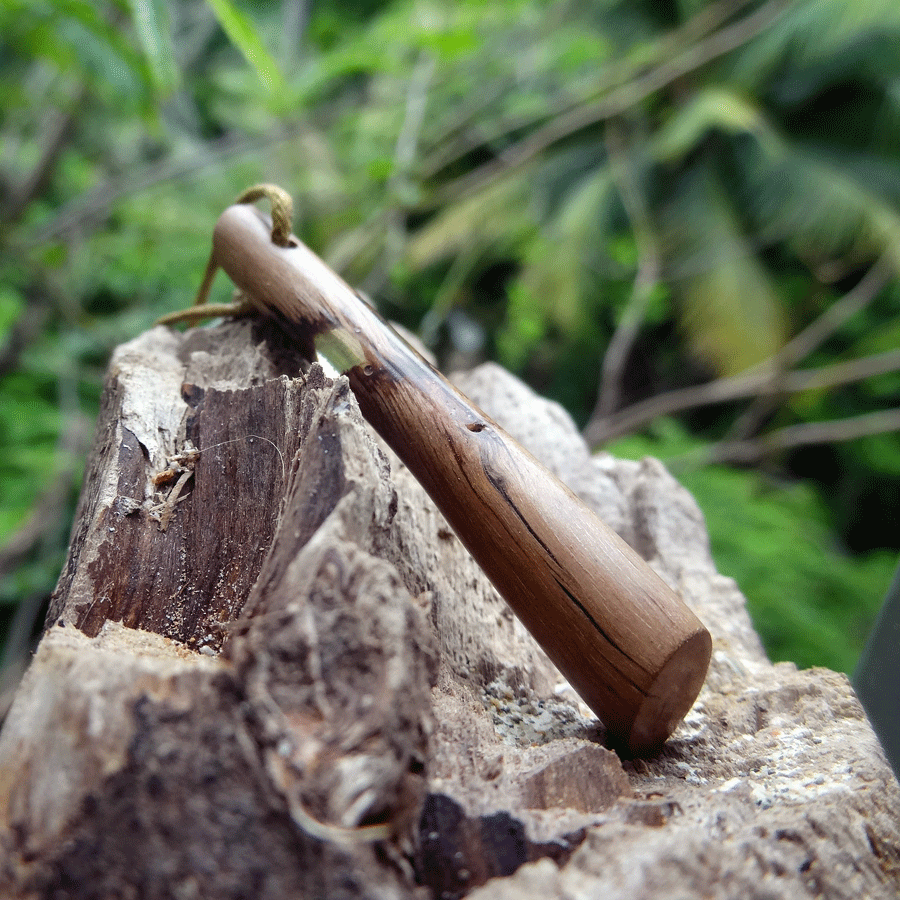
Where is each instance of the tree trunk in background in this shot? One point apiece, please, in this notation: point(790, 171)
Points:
point(270, 670)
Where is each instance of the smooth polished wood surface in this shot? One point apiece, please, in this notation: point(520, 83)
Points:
point(622, 637)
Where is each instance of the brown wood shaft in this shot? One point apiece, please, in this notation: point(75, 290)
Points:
point(624, 639)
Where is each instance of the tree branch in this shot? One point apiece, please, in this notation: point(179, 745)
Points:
point(679, 40)
point(101, 198)
point(801, 435)
point(738, 387)
point(647, 277)
point(617, 101)
point(808, 340)
point(839, 312)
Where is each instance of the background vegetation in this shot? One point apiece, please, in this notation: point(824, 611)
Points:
point(681, 219)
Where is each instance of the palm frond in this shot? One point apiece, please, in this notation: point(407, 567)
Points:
point(827, 34)
point(815, 201)
point(731, 313)
point(496, 215)
point(555, 262)
point(713, 108)
point(817, 204)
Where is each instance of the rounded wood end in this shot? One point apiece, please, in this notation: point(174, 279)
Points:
point(671, 695)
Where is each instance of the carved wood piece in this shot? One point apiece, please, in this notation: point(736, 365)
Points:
point(622, 637)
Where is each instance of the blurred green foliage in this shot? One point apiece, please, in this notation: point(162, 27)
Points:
point(691, 184)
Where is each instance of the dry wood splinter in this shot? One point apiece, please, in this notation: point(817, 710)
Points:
point(623, 638)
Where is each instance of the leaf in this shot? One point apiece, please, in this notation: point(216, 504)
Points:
point(524, 328)
point(151, 21)
point(731, 312)
point(74, 36)
point(816, 202)
point(714, 107)
point(494, 215)
point(242, 33)
point(12, 304)
point(555, 262)
point(828, 38)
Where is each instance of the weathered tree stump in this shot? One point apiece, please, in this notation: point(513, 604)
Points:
point(270, 670)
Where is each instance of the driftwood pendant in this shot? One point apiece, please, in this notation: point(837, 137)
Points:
point(622, 637)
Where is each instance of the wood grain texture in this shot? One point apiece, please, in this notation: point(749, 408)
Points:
point(121, 565)
point(622, 637)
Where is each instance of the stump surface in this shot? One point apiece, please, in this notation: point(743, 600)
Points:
point(270, 669)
